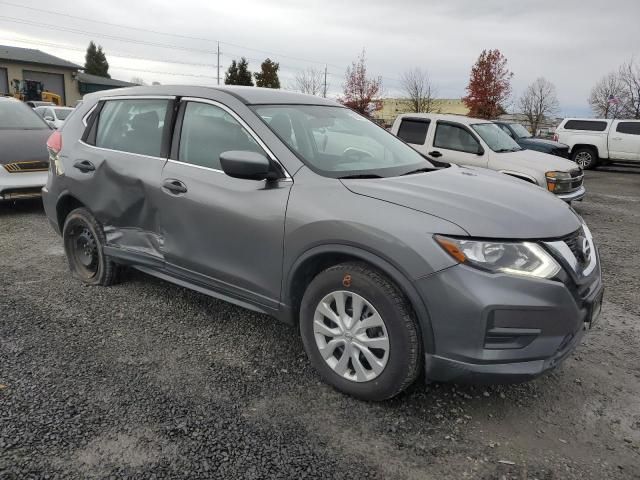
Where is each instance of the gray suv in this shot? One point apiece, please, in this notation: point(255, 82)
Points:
point(388, 264)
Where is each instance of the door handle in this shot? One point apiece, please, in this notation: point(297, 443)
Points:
point(616, 138)
point(84, 166)
point(174, 186)
point(435, 154)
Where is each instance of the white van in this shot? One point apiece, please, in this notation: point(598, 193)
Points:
point(481, 143)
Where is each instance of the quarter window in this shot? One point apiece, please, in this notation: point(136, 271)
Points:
point(208, 131)
point(454, 137)
point(134, 126)
point(589, 125)
point(413, 131)
point(631, 128)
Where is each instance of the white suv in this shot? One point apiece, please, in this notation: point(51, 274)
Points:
point(481, 143)
point(595, 141)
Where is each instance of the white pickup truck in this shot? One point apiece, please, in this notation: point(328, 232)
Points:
point(597, 141)
point(481, 143)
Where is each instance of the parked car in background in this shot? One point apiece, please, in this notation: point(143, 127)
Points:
point(481, 143)
point(37, 103)
point(597, 141)
point(296, 206)
point(24, 160)
point(54, 116)
point(527, 141)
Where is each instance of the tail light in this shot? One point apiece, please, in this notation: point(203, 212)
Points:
point(54, 145)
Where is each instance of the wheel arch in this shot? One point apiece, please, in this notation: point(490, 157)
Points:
point(66, 204)
point(590, 146)
point(319, 258)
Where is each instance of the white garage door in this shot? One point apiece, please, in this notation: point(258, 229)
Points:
point(4, 82)
point(53, 82)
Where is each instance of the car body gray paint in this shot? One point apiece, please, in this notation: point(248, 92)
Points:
point(491, 206)
point(390, 221)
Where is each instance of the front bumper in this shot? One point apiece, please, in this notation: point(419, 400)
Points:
point(573, 196)
point(494, 328)
point(21, 185)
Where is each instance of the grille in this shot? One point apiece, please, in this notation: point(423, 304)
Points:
point(27, 166)
point(572, 242)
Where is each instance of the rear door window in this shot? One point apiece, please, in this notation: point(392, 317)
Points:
point(207, 131)
point(630, 128)
point(134, 126)
point(413, 130)
point(589, 125)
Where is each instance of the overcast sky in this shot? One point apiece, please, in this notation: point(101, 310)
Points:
point(570, 42)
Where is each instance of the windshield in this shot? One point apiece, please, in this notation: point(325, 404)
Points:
point(495, 137)
point(16, 115)
point(519, 130)
point(337, 142)
point(62, 113)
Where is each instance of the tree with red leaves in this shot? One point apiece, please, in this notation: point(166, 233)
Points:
point(360, 92)
point(489, 85)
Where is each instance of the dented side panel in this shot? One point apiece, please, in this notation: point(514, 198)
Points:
point(123, 193)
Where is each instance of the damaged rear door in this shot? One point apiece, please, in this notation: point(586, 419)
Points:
point(117, 169)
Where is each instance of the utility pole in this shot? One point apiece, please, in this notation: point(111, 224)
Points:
point(218, 62)
point(324, 90)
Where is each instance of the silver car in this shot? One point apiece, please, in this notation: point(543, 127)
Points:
point(388, 265)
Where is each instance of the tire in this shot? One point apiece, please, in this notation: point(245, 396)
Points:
point(586, 157)
point(83, 239)
point(401, 361)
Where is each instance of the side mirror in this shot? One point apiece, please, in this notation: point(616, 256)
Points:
point(49, 118)
point(480, 151)
point(246, 164)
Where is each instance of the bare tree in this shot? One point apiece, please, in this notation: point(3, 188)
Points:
point(310, 81)
point(419, 89)
point(539, 101)
point(629, 75)
point(138, 81)
point(607, 97)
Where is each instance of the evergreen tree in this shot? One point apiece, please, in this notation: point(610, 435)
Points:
point(238, 73)
point(268, 77)
point(95, 61)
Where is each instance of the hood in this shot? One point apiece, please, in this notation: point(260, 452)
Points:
point(21, 145)
point(530, 159)
point(542, 142)
point(484, 203)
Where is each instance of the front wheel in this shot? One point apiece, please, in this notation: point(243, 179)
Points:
point(83, 239)
point(586, 158)
point(359, 332)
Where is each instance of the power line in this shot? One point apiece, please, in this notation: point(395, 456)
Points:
point(188, 37)
point(102, 35)
point(85, 19)
point(111, 52)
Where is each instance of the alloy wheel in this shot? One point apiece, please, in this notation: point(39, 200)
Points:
point(351, 336)
point(584, 159)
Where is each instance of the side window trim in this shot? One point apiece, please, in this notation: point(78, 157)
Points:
point(425, 121)
point(624, 124)
point(92, 117)
point(177, 131)
point(456, 125)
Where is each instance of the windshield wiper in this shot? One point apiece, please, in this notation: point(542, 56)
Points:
point(502, 150)
point(419, 170)
point(360, 175)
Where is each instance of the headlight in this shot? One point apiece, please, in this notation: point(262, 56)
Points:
point(558, 181)
point(518, 258)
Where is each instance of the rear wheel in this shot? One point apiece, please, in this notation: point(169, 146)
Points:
point(359, 332)
point(83, 239)
point(586, 158)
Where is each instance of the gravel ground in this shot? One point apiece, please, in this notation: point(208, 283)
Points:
point(149, 380)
